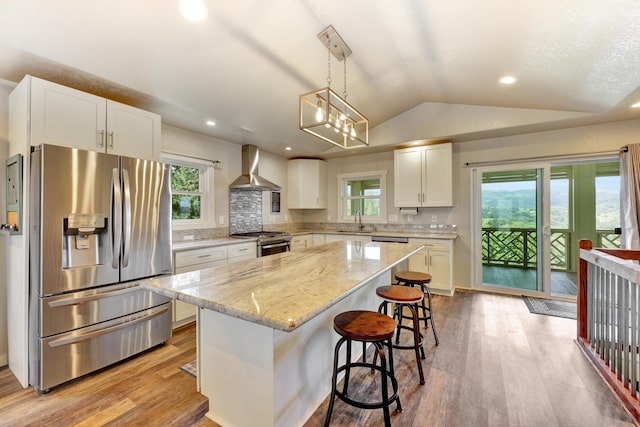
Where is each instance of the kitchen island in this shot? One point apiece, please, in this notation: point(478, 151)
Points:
point(265, 327)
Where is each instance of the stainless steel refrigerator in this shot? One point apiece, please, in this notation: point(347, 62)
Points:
point(98, 223)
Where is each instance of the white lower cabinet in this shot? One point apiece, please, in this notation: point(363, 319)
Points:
point(435, 259)
point(197, 259)
point(318, 239)
point(301, 242)
point(344, 236)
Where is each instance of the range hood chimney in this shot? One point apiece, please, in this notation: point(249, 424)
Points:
point(250, 180)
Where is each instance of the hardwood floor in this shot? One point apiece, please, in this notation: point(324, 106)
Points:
point(146, 390)
point(496, 365)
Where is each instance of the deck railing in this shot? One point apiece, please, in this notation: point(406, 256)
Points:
point(609, 316)
point(517, 247)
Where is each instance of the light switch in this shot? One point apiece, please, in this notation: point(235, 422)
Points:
point(221, 219)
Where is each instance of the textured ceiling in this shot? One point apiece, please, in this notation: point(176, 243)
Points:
point(432, 66)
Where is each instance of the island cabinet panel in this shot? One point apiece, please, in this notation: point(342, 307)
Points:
point(64, 116)
point(198, 259)
point(301, 242)
point(281, 376)
point(307, 184)
point(435, 259)
point(423, 176)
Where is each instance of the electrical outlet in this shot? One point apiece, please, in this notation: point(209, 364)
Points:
point(328, 217)
point(434, 218)
point(221, 220)
point(393, 218)
point(286, 217)
point(409, 218)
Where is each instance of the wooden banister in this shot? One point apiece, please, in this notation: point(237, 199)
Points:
point(582, 290)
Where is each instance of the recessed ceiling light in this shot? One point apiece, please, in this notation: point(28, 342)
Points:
point(287, 148)
point(193, 10)
point(508, 80)
point(210, 123)
point(636, 105)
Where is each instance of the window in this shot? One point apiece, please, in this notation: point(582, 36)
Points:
point(364, 193)
point(190, 182)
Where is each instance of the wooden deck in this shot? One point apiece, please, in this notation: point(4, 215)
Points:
point(496, 365)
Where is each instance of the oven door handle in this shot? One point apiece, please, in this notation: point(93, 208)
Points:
point(275, 245)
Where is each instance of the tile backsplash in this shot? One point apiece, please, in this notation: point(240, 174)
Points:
point(245, 211)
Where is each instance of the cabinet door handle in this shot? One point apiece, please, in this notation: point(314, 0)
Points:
point(422, 197)
point(101, 138)
point(418, 197)
point(111, 140)
point(204, 256)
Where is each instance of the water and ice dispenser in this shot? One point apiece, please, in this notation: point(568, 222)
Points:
point(86, 240)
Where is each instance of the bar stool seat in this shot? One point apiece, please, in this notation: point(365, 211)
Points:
point(404, 296)
point(418, 278)
point(366, 327)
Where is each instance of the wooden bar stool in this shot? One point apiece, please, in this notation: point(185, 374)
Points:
point(404, 296)
point(365, 327)
point(417, 278)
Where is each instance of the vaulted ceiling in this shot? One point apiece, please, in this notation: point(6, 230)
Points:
point(419, 69)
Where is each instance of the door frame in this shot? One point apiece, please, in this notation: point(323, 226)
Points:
point(543, 229)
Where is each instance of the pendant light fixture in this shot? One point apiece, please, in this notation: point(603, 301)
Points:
point(327, 115)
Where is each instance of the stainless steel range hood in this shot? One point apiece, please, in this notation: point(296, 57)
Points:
point(250, 180)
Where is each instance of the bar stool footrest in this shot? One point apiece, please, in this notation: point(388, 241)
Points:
point(370, 405)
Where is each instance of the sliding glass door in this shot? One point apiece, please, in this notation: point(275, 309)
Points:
point(512, 220)
point(527, 222)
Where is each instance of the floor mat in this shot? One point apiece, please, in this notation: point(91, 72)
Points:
point(551, 307)
point(190, 368)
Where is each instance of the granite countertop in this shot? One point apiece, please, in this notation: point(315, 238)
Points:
point(284, 291)
point(185, 245)
point(417, 234)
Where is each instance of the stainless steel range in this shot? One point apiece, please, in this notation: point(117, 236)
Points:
point(269, 242)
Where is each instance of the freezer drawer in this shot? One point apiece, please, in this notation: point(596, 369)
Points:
point(67, 312)
point(71, 355)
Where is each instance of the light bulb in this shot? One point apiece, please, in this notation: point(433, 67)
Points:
point(353, 132)
point(342, 116)
point(193, 10)
point(319, 112)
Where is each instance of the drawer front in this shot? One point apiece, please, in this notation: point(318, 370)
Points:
point(79, 309)
point(70, 355)
point(299, 242)
point(434, 245)
point(199, 256)
point(242, 249)
point(244, 257)
point(194, 267)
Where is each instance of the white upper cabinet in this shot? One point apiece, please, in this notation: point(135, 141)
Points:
point(423, 176)
point(64, 116)
point(307, 184)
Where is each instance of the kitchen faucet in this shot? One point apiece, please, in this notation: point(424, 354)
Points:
point(358, 219)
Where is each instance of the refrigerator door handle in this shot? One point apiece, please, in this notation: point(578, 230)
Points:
point(91, 298)
point(126, 235)
point(116, 217)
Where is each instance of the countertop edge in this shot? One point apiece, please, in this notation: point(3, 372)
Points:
point(148, 284)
